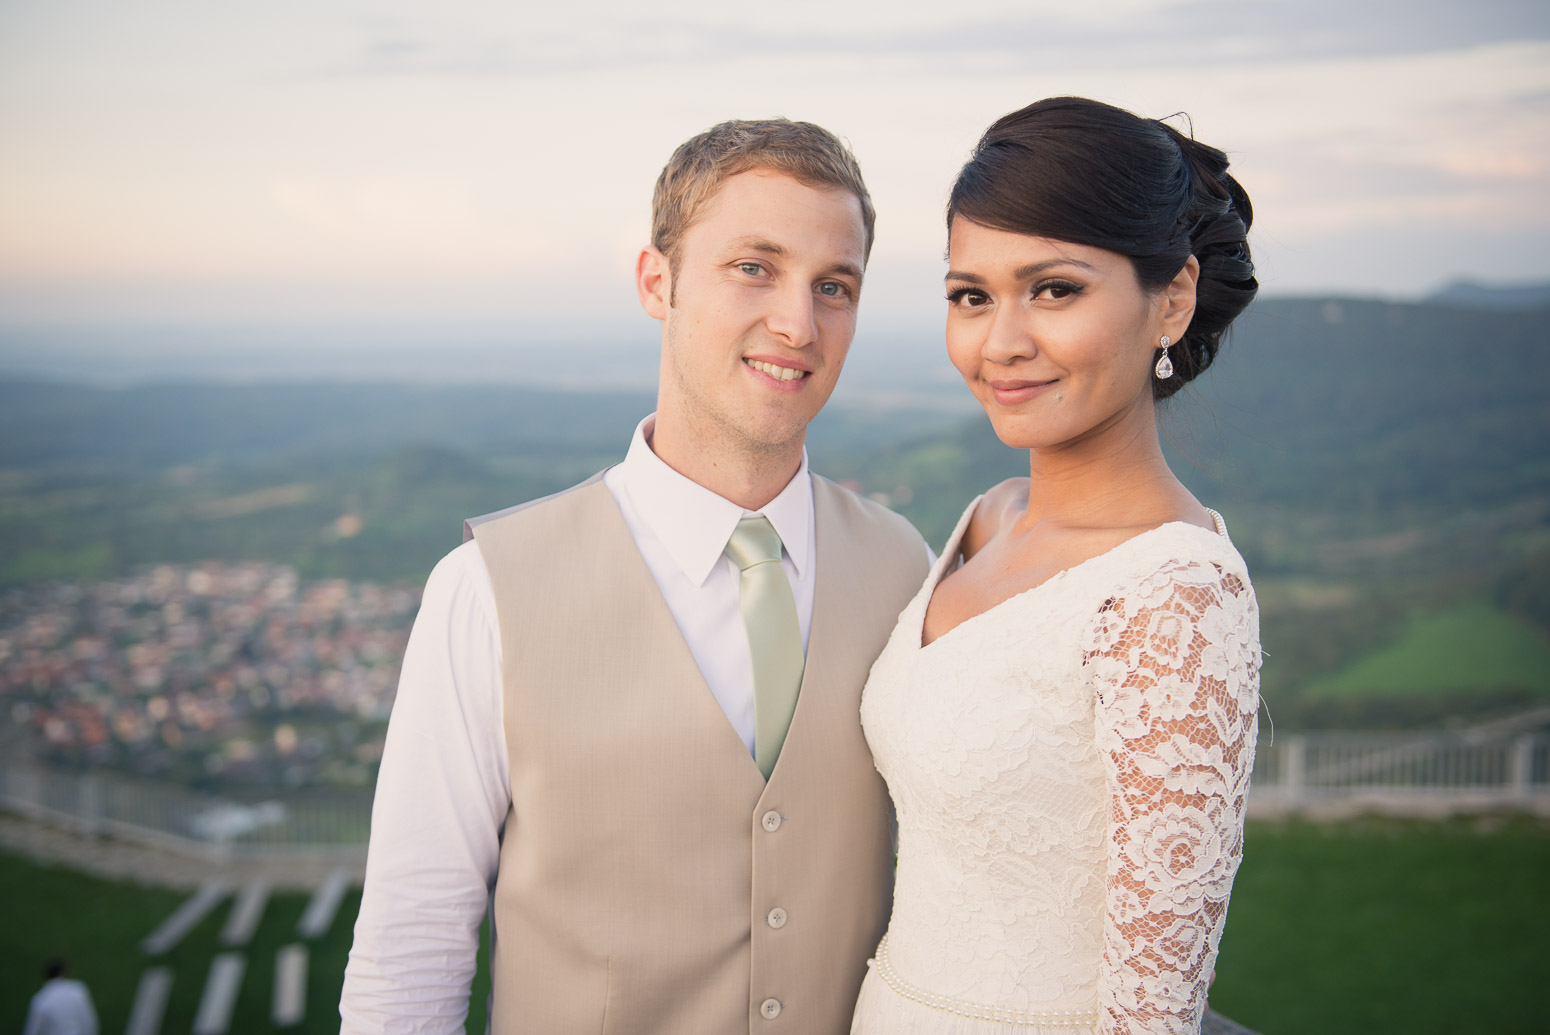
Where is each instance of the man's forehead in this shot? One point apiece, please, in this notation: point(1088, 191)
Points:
point(765, 208)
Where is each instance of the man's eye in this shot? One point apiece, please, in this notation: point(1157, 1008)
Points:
point(831, 289)
point(753, 269)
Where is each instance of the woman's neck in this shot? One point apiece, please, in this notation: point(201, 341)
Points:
point(1112, 480)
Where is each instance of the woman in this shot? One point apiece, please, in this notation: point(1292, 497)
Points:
point(1066, 713)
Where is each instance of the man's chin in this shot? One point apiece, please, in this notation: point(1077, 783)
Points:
point(774, 436)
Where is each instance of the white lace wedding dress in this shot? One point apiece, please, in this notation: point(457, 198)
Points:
point(1069, 769)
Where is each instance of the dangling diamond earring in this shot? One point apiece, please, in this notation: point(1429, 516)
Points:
point(1164, 369)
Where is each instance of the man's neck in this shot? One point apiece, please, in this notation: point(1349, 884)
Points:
point(751, 480)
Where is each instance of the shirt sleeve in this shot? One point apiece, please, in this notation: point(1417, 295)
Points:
point(443, 793)
point(1175, 663)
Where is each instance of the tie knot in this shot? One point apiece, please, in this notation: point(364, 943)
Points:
point(754, 541)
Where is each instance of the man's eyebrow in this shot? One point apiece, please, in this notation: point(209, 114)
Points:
point(758, 244)
point(1033, 269)
point(848, 269)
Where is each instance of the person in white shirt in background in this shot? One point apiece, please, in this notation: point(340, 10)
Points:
point(551, 755)
point(62, 1006)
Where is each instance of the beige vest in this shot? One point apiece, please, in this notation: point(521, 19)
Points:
point(650, 880)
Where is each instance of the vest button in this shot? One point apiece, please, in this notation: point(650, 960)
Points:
point(770, 1008)
point(771, 821)
point(776, 918)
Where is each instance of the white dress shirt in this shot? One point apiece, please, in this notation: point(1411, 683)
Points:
point(61, 1007)
point(444, 790)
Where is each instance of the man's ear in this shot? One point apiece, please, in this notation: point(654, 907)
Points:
point(1178, 301)
point(654, 282)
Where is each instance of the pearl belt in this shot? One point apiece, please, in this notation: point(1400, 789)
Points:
point(964, 1008)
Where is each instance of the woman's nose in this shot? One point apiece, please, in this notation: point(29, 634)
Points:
point(1009, 338)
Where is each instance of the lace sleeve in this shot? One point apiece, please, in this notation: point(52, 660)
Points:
point(1175, 664)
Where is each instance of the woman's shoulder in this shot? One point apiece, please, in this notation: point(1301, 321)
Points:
point(990, 515)
point(1181, 557)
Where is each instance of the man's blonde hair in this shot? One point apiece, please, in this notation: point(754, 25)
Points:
point(801, 150)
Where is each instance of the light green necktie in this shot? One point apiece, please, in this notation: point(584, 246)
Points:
point(774, 638)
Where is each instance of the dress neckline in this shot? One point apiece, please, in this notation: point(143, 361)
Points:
point(950, 558)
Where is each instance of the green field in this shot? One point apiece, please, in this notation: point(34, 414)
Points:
point(1389, 926)
point(1471, 647)
point(1361, 927)
point(97, 926)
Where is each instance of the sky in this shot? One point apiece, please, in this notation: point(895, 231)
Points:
point(467, 164)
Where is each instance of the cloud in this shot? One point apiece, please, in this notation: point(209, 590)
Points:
point(1184, 35)
point(449, 143)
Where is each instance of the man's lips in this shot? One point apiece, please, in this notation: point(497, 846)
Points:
point(779, 370)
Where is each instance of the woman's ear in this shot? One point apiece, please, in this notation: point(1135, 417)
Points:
point(1178, 300)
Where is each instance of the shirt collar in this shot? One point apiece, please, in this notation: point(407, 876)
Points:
point(694, 524)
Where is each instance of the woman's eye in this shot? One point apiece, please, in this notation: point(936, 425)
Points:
point(1057, 289)
point(967, 297)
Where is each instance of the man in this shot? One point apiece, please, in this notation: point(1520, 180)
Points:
point(630, 709)
point(62, 1006)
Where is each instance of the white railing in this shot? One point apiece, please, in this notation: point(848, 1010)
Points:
point(189, 821)
point(1433, 771)
point(1436, 769)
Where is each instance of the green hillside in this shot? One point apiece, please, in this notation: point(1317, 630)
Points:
point(1472, 648)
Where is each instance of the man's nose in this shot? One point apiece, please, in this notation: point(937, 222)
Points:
point(792, 316)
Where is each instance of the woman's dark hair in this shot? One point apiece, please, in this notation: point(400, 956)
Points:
point(1079, 170)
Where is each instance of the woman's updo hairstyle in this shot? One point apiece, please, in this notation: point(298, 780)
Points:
point(1078, 170)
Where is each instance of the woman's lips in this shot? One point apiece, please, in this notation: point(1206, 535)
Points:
point(1010, 393)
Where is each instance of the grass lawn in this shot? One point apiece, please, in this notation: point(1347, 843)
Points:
point(1472, 647)
point(97, 926)
point(1361, 927)
point(1389, 926)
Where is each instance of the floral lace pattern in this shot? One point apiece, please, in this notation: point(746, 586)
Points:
point(1069, 770)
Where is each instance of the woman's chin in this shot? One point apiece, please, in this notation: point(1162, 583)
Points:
point(1017, 433)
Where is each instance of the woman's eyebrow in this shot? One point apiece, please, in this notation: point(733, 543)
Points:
point(1032, 269)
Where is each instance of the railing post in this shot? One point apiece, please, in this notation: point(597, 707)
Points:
point(1294, 769)
point(88, 804)
point(1520, 768)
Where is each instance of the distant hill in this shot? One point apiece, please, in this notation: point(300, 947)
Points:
point(1475, 295)
point(47, 424)
point(1378, 463)
point(1351, 403)
point(1359, 398)
point(1336, 405)
point(1341, 406)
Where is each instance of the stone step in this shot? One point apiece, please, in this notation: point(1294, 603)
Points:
point(290, 986)
point(319, 916)
point(150, 1002)
point(245, 914)
point(220, 994)
point(185, 918)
